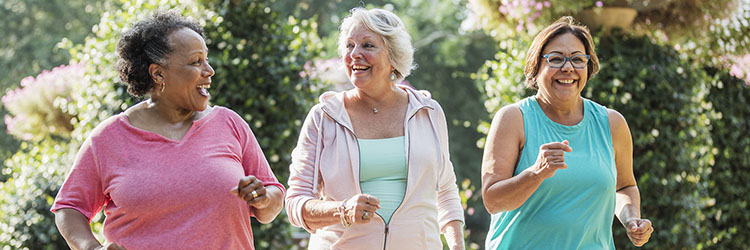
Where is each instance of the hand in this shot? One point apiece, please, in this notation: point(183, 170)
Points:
point(361, 208)
point(551, 158)
point(110, 246)
point(639, 230)
point(252, 191)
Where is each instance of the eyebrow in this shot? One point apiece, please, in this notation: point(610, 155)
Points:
point(558, 52)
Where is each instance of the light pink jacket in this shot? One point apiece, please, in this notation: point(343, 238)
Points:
point(325, 165)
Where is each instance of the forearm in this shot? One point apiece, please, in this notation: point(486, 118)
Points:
point(628, 204)
point(454, 235)
point(511, 193)
point(74, 227)
point(276, 202)
point(318, 214)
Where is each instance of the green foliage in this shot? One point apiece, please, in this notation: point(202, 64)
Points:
point(727, 215)
point(258, 56)
point(31, 29)
point(662, 98)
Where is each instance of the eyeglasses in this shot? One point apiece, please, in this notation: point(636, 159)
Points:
point(556, 60)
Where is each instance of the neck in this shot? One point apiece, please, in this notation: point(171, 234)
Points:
point(375, 98)
point(169, 113)
point(560, 108)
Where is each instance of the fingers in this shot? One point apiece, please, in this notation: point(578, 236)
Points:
point(250, 189)
point(557, 145)
point(639, 231)
point(361, 208)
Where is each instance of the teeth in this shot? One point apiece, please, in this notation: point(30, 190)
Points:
point(358, 67)
point(566, 81)
point(202, 89)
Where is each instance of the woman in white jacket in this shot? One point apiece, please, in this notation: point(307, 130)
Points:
point(371, 169)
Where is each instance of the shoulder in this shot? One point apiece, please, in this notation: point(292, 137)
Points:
point(616, 120)
point(109, 126)
point(224, 112)
point(509, 114)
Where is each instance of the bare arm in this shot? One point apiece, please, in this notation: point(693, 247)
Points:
point(501, 191)
point(454, 235)
point(76, 230)
point(628, 198)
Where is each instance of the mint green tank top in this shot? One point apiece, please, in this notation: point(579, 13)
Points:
point(382, 172)
point(573, 209)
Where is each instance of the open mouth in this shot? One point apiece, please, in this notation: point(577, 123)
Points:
point(203, 89)
point(360, 68)
point(566, 82)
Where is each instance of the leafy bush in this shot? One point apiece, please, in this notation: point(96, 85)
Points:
point(728, 187)
point(258, 57)
point(662, 98)
point(31, 29)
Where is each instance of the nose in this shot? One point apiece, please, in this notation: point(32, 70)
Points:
point(356, 52)
point(208, 71)
point(567, 66)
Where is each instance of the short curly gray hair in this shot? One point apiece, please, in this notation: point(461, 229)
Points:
point(391, 28)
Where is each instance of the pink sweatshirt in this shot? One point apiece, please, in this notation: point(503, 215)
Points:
point(159, 193)
point(325, 165)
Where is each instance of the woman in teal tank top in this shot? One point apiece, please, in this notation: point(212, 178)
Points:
point(557, 167)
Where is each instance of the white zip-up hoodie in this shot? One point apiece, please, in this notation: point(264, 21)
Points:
point(325, 165)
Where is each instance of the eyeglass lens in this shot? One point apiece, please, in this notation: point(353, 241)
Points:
point(557, 60)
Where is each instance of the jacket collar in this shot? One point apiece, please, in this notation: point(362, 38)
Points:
point(333, 104)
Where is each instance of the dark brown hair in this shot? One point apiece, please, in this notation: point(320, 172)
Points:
point(146, 43)
point(563, 25)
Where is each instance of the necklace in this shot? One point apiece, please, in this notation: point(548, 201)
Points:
point(375, 109)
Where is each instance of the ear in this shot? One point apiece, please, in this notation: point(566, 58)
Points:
point(156, 72)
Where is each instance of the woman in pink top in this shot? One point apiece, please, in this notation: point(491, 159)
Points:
point(170, 172)
point(328, 194)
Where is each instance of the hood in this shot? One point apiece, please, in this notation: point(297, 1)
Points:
point(333, 103)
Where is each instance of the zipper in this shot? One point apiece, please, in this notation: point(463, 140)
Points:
point(406, 139)
point(385, 240)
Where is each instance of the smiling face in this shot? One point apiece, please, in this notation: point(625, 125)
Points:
point(366, 58)
point(567, 82)
point(187, 74)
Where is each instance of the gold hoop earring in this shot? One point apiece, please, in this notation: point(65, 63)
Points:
point(163, 85)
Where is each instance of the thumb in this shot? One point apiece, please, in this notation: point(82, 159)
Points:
point(566, 142)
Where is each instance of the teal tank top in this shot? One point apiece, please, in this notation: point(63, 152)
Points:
point(382, 172)
point(573, 209)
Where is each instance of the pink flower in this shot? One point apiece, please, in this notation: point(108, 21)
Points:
point(547, 4)
point(468, 193)
point(599, 4)
point(470, 211)
point(539, 6)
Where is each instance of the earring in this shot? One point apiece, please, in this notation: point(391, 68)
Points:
point(163, 85)
point(392, 77)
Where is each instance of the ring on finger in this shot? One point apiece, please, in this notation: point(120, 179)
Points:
point(365, 215)
point(255, 194)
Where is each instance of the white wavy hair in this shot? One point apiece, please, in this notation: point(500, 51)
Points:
point(391, 28)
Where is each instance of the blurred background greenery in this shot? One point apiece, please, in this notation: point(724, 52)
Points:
point(679, 71)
